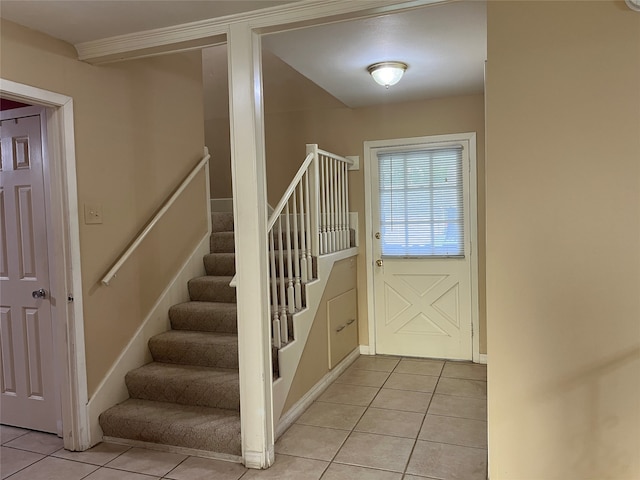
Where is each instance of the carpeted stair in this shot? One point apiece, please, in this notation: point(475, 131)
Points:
point(189, 395)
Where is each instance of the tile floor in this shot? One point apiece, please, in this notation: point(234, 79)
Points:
point(385, 418)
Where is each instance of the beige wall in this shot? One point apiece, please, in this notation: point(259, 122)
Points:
point(563, 231)
point(343, 131)
point(138, 130)
point(298, 112)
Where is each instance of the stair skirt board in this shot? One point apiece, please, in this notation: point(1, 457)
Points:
point(318, 389)
point(289, 356)
point(112, 389)
point(188, 397)
point(159, 447)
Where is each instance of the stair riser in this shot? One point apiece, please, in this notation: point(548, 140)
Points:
point(220, 264)
point(204, 355)
point(221, 222)
point(203, 291)
point(220, 322)
point(197, 427)
point(200, 393)
point(222, 242)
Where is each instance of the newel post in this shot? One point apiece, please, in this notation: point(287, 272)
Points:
point(250, 215)
point(314, 191)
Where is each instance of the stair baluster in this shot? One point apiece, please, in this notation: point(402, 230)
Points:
point(277, 340)
point(302, 259)
point(284, 322)
point(296, 257)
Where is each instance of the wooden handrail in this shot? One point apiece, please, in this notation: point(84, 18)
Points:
point(348, 161)
point(152, 223)
point(287, 194)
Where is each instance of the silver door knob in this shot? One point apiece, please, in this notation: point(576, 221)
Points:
point(379, 263)
point(41, 293)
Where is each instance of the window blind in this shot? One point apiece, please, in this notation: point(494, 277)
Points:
point(421, 202)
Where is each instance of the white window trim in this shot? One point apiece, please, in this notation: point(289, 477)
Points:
point(371, 148)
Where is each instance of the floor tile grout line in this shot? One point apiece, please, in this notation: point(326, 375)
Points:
point(30, 465)
point(415, 442)
point(454, 416)
point(454, 444)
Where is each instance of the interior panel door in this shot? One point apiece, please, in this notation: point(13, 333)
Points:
point(28, 395)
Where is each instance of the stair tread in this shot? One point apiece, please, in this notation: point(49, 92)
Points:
point(187, 336)
point(193, 372)
point(203, 428)
point(213, 278)
point(203, 306)
point(186, 385)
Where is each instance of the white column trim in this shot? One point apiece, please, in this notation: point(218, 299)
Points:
point(250, 216)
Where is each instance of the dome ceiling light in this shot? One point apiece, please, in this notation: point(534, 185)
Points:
point(387, 73)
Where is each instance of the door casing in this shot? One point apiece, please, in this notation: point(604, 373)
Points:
point(370, 148)
point(59, 165)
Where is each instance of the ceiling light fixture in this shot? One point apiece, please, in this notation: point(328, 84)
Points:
point(387, 73)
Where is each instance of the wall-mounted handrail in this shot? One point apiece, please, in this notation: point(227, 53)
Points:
point(152, 223)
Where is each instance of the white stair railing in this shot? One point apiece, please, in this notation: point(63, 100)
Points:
point(311, 219)
point(334, 228)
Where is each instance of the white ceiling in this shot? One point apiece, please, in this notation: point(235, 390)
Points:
point(443, 44)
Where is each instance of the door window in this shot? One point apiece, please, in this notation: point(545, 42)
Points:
point(421, 202)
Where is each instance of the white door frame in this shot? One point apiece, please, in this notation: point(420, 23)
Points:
point(59, 164)
point(369, 157)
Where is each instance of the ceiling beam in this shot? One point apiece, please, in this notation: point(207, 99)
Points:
point(203, 33)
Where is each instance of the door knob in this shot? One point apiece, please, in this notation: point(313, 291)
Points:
point(41, 293)
point(379, 263)
point(378, 235)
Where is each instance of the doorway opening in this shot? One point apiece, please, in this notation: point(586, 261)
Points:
point(63, 248)
point(421, 224)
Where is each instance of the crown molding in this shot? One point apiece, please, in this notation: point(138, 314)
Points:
point(208, 32)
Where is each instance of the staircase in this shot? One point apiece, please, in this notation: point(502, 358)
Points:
point(189, 395)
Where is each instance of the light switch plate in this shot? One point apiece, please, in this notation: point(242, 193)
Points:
point(92, 214)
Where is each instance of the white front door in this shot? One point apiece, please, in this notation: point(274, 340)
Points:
point(28, 395)
point(421, 208)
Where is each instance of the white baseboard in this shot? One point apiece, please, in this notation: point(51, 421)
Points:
point(301, 405)
point(112, 389)
point(365, 350)
point(259, 460)
point(482, 358)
